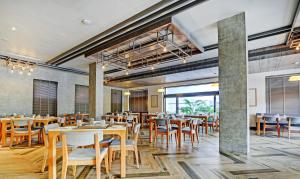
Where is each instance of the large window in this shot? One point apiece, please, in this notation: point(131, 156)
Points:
point(196, 99)
point(44, 97)
point(81, 99)
point(138, 101)
point(282, 95)
point(116, 100)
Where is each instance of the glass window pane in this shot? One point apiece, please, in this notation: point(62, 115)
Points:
point(170, 105)
point(192, 89)
point(196, 105)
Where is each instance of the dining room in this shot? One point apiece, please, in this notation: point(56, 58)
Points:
point(150, 89)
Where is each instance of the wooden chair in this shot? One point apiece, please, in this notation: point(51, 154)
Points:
point(191, 130)
point(293, 125)
point(21, 128)
point(83, 156)
point(131, 145)
point(271, 123)
point(46, 143)
point(164, 127)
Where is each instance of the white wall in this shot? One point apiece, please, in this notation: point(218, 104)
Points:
point(258, 81)
point(16, 91)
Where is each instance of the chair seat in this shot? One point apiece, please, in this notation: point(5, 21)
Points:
point(86, 154)
point(116, 143)
point(187, 130)
point(164, 130)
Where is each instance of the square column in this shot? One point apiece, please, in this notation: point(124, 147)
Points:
point(95, 90)
point(233, 71)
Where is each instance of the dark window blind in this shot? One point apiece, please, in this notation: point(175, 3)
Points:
point(138, 101)
point(81, 99)
point(116, 100)
point(283, 96)
point(44, 97)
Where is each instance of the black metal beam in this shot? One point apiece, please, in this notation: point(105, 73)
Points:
point(295, 17)
point(257, 54)
point(261, 35)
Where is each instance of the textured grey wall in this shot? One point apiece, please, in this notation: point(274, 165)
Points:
point(16, 91)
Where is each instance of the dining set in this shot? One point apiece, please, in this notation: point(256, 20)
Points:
point(91, 140)
point(280, 123)
point(172, 125)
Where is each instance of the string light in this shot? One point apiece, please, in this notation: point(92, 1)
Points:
point(184, 60)
point(126, 72)
point(152, 67)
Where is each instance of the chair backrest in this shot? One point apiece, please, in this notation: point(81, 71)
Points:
point(50, 126)
point(164, 123)
point(130, 118)
point(270, 118)
point(22, 122)
point(85, 138)
point(295, 120)
point(136, 132)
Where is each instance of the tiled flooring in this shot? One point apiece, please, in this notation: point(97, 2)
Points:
point(270, 157)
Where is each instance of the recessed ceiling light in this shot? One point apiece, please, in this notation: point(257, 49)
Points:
point(296, 63)
point(13, 28)
point(86, 21)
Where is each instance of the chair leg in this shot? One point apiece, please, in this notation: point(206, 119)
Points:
point(44, 160)
point(17, 140)
point(64, 169)
point(11, 140)
point(98, 169)
point(74, 170)
point(110, 153)
point(197, 135)
point(136, 156)
point(29, 141)
point(106, 164)
point(191, 137)
point(183, 137)
point(167, 136)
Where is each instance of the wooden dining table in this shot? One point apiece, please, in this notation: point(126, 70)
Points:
point(178, 122)
point(53, 133)
point(5, 121)
point(119, 118)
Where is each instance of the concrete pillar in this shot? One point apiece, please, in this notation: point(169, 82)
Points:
point(95, 90)
point(233, 65)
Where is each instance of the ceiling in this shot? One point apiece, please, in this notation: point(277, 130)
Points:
point(45, 29)
point(42, 34)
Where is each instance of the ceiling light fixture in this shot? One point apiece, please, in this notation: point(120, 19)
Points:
point(297, 48)
point(296, 63)
point(20, 66)
point(294, 78)
point(161, 90)
point(184, 60)
point(129, 63)
point(13, 28)
point(127, 93)
point(126, 72)
point(152, 67)
point(86, 21)
point(214, 85)
point(165, 49)
point(103, 66)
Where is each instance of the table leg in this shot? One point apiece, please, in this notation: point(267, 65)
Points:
point(150, 131)
point(257, 125)
point(3, 138)
point(52, 156)
point(179, 133)
point(206, 126)
point(123, 154)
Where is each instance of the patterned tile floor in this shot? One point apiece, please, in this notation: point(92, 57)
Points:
point(270, 157)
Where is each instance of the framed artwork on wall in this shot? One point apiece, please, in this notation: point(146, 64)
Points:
point(252, 97)
point(154, 101)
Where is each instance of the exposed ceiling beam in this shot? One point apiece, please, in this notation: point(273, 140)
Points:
point(261, 35)
point(145, 17)
point(295, 17)
point(257, 54)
